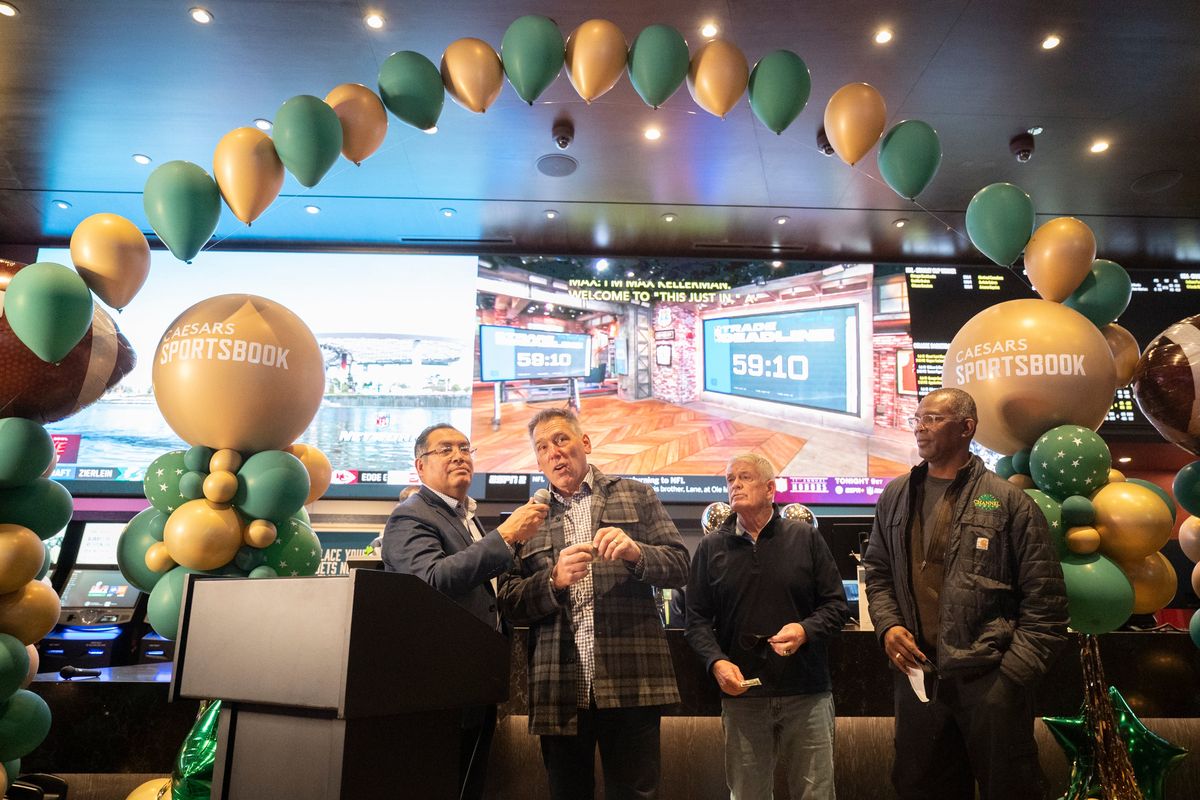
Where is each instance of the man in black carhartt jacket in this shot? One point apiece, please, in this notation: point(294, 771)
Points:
point(964, 587)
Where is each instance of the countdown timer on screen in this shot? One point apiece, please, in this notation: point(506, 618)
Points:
point(510, 354)
point(803, 358)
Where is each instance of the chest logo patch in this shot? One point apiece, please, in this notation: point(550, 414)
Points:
point(987, 502)
point(981, 543)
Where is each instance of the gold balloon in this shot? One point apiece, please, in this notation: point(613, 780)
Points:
point(260, 533)
point(854, 120)
point(34, 661)
point(29, 613)
point(201, 536)
point(1189, 538)
point(21, 556)
point(238, 372)
point(1022, 481)
point(472, 74)
point(1124, 349)
point(1082, 540)
point(1059, 257)
point(248, 172)
point(1133, 521)
point(1031, 365)
point(112, 256)
point(364, 119)
point(595, 58)
point(1115, 475)
point(1196, 579)
point(320, 471)
point(1154, 582)
point(220, 487)
point(157, 789)
point(717, 77)
point(225, 461)
point(158, 558)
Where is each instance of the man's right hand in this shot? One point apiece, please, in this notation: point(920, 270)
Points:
point(901, 648)
point(524, 522)
point(573, 563)
point(729, 677)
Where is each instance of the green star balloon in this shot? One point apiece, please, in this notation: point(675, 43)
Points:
point(1152, 756)
point(161, 483)
point(1070, 459)
point(295, 551)
point(192, 777)
point(1053, 513)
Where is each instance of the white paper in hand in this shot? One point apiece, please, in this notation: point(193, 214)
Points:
point(916, 677)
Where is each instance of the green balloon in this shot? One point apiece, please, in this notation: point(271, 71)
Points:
point(1020, 461)
point(24, 723)
point(183, 205)
point(779, 88)
point(1186, 488)
point(1099, 596)
point(46, 560)
point(308, 138)
point(296, 551)
point(1077, 510)
point(14, 665)
point(43, 506)
point(191, 485)
point(303, 516)
point(909, 156)
point(1052, 511)
point(1070, 459)
point(196, 458)
point(532, 53)
point(191, 779)
point(249, 558)
point(1194, 629)
point(658, 63)
point(1158, 490)
point(261, 572)
point(142, 531)
point(1000, 221)
point(1104, 293)
point(162, 609)
point(161, 483)
point(411, 88)
point(272, 485)
point(1004, 467)
point(25, 450)
point(49, 308)
point(12, 769)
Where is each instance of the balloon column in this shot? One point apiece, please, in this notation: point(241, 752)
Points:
point(239, 378)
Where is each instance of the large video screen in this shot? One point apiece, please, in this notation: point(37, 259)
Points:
point(98, 588)
point(511, 354)
point(803, 358)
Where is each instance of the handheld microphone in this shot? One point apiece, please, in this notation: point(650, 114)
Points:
point(541, 496)
point(69, 672)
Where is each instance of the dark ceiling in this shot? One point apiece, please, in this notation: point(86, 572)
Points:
point(83, 85)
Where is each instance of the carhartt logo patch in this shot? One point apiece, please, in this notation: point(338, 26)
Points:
point(981, 543)
point(987, 502)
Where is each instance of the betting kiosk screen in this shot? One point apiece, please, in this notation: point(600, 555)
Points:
point(98, 588)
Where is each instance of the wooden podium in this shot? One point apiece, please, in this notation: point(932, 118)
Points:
point(335, 687)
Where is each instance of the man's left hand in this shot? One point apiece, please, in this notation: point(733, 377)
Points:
point(789, 639)
point(614, 543)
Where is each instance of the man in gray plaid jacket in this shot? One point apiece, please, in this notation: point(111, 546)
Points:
point(599, 667)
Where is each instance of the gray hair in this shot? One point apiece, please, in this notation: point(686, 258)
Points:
point(764, 468)
point(423, 436)
point(962, 405)
point(549, 414)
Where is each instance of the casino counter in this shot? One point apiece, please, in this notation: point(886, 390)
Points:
point(122, 722)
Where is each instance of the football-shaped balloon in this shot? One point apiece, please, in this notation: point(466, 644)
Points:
point(1164, 383)
point(29, 387)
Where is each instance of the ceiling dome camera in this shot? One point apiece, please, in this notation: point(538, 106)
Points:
point(563, 133)
point(1021, 146)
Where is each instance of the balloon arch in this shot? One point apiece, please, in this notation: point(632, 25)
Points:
point(1042, 371)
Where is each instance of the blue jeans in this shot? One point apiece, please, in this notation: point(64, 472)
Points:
point(761, 730)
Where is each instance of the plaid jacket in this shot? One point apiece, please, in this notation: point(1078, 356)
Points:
point(633, 664)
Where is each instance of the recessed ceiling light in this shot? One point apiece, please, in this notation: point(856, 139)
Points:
point(653, 134)
point(1124, 460)
point(447, 212)
point(709, 30)
point(201, 15)
point(431, 130)
point(669, 217)
point(781, 220)
point(630, 274)
point(900, 223)
point(883, 36)
point(550, 213)
point(142, 159)
point(262, 124)
point(1034, 130)
point(63, 204)
point(776, 264)
point(1099, 146)
point(313, 209)
point(8, 10)
point(1050, 42)
point(602, 265)
point(374, 20)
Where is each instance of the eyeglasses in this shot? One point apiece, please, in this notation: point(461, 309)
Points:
point(929, 420)
point(447, 450)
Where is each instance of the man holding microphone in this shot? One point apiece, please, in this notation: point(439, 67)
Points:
point(435, 535)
